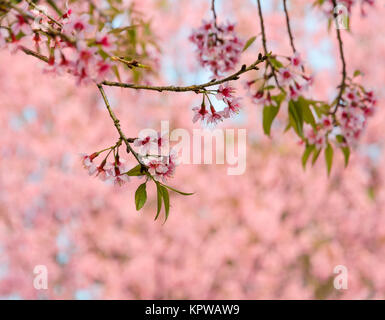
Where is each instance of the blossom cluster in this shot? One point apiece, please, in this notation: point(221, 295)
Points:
point(155, 158)
point(290, 77)
point(349, 121)
point(72, 43)
point(160, 160)
point(358, 105)
point(218, 46)
point(224, 93)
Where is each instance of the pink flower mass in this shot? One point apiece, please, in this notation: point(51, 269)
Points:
point(78, 88)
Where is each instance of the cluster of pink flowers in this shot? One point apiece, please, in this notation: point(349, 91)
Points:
point(350, 119)
point(218, 46)
point(319, 137)
point(290, 77)
point(352, 116)
point(212, 117)
point(74, 49)
point(293, 79)
point(114, 171)
point(159, 160)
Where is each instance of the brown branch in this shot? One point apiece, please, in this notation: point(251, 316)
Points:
point(214, 13)
point(117, 125)
point(194, 88)
point(343, 61)
point(34, 54)
point(288, 26)
point(264, 44)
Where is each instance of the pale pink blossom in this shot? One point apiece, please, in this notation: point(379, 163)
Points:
point(225, 92)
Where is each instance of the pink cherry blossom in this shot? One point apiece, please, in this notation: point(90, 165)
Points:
point(88, 163)
point(200, 113)
point(225, 92)
point(218, 47)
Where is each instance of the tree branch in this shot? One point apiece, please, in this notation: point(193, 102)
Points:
point(194, 88)
point(117, 125)
point(343, 61)
point(264, 44)
point(214, 13)
point(288, 26)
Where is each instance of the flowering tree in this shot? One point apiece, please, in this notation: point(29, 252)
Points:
point(81, 39)
point(86, 45)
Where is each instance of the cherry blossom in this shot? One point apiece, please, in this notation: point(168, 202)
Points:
point(225, 92)
point(88, 163)
point(218, 46)
point(200, 113)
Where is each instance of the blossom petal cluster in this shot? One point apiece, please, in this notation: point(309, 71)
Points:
point(225, 93)
point(73, 45)
point(218, 46)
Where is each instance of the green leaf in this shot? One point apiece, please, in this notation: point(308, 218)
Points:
point(315, 156)
point(249, 43)
point(346, 152)
point(166, 201)
point(308, 151)
point(357, 73)
point(175, 190)
point(140, 196)
point(269, 114)
point(159, 199)
point(279, 98)
point(329, 157)
point(136, 171)
point(308, 116)
point(116, 72)
point(296, 117)
point(275, 63)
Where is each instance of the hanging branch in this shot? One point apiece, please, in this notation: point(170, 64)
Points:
point(291, 37)
point(288, 26)
point(343, 61)
point(214, 13)
point(264, 44)
point(117, 125)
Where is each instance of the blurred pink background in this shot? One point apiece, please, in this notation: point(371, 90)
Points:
point(276, 232)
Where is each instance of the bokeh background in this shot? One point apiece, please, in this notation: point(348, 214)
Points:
point(276, 232)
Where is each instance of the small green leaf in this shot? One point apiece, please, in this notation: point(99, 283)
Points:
point(346, 152)
point(296, 117)
point(175, 190)
point(275, 63)
point(308, 116)
point(140, 196)
point(308, 151)
point(249, 43)
point(269, 114)
point(166, 201)
point(159, 199)
point(329, 157)
point(315, 156)
point(357, 73)
point(136, 171)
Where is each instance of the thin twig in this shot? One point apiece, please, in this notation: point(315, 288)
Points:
point(44, 13)
point(344, 74)
point(264, 44)
point(214, 13)
point(117, 124)
point(194, 88)
point(289, 30)
point(34, 54)
point(289, 27)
